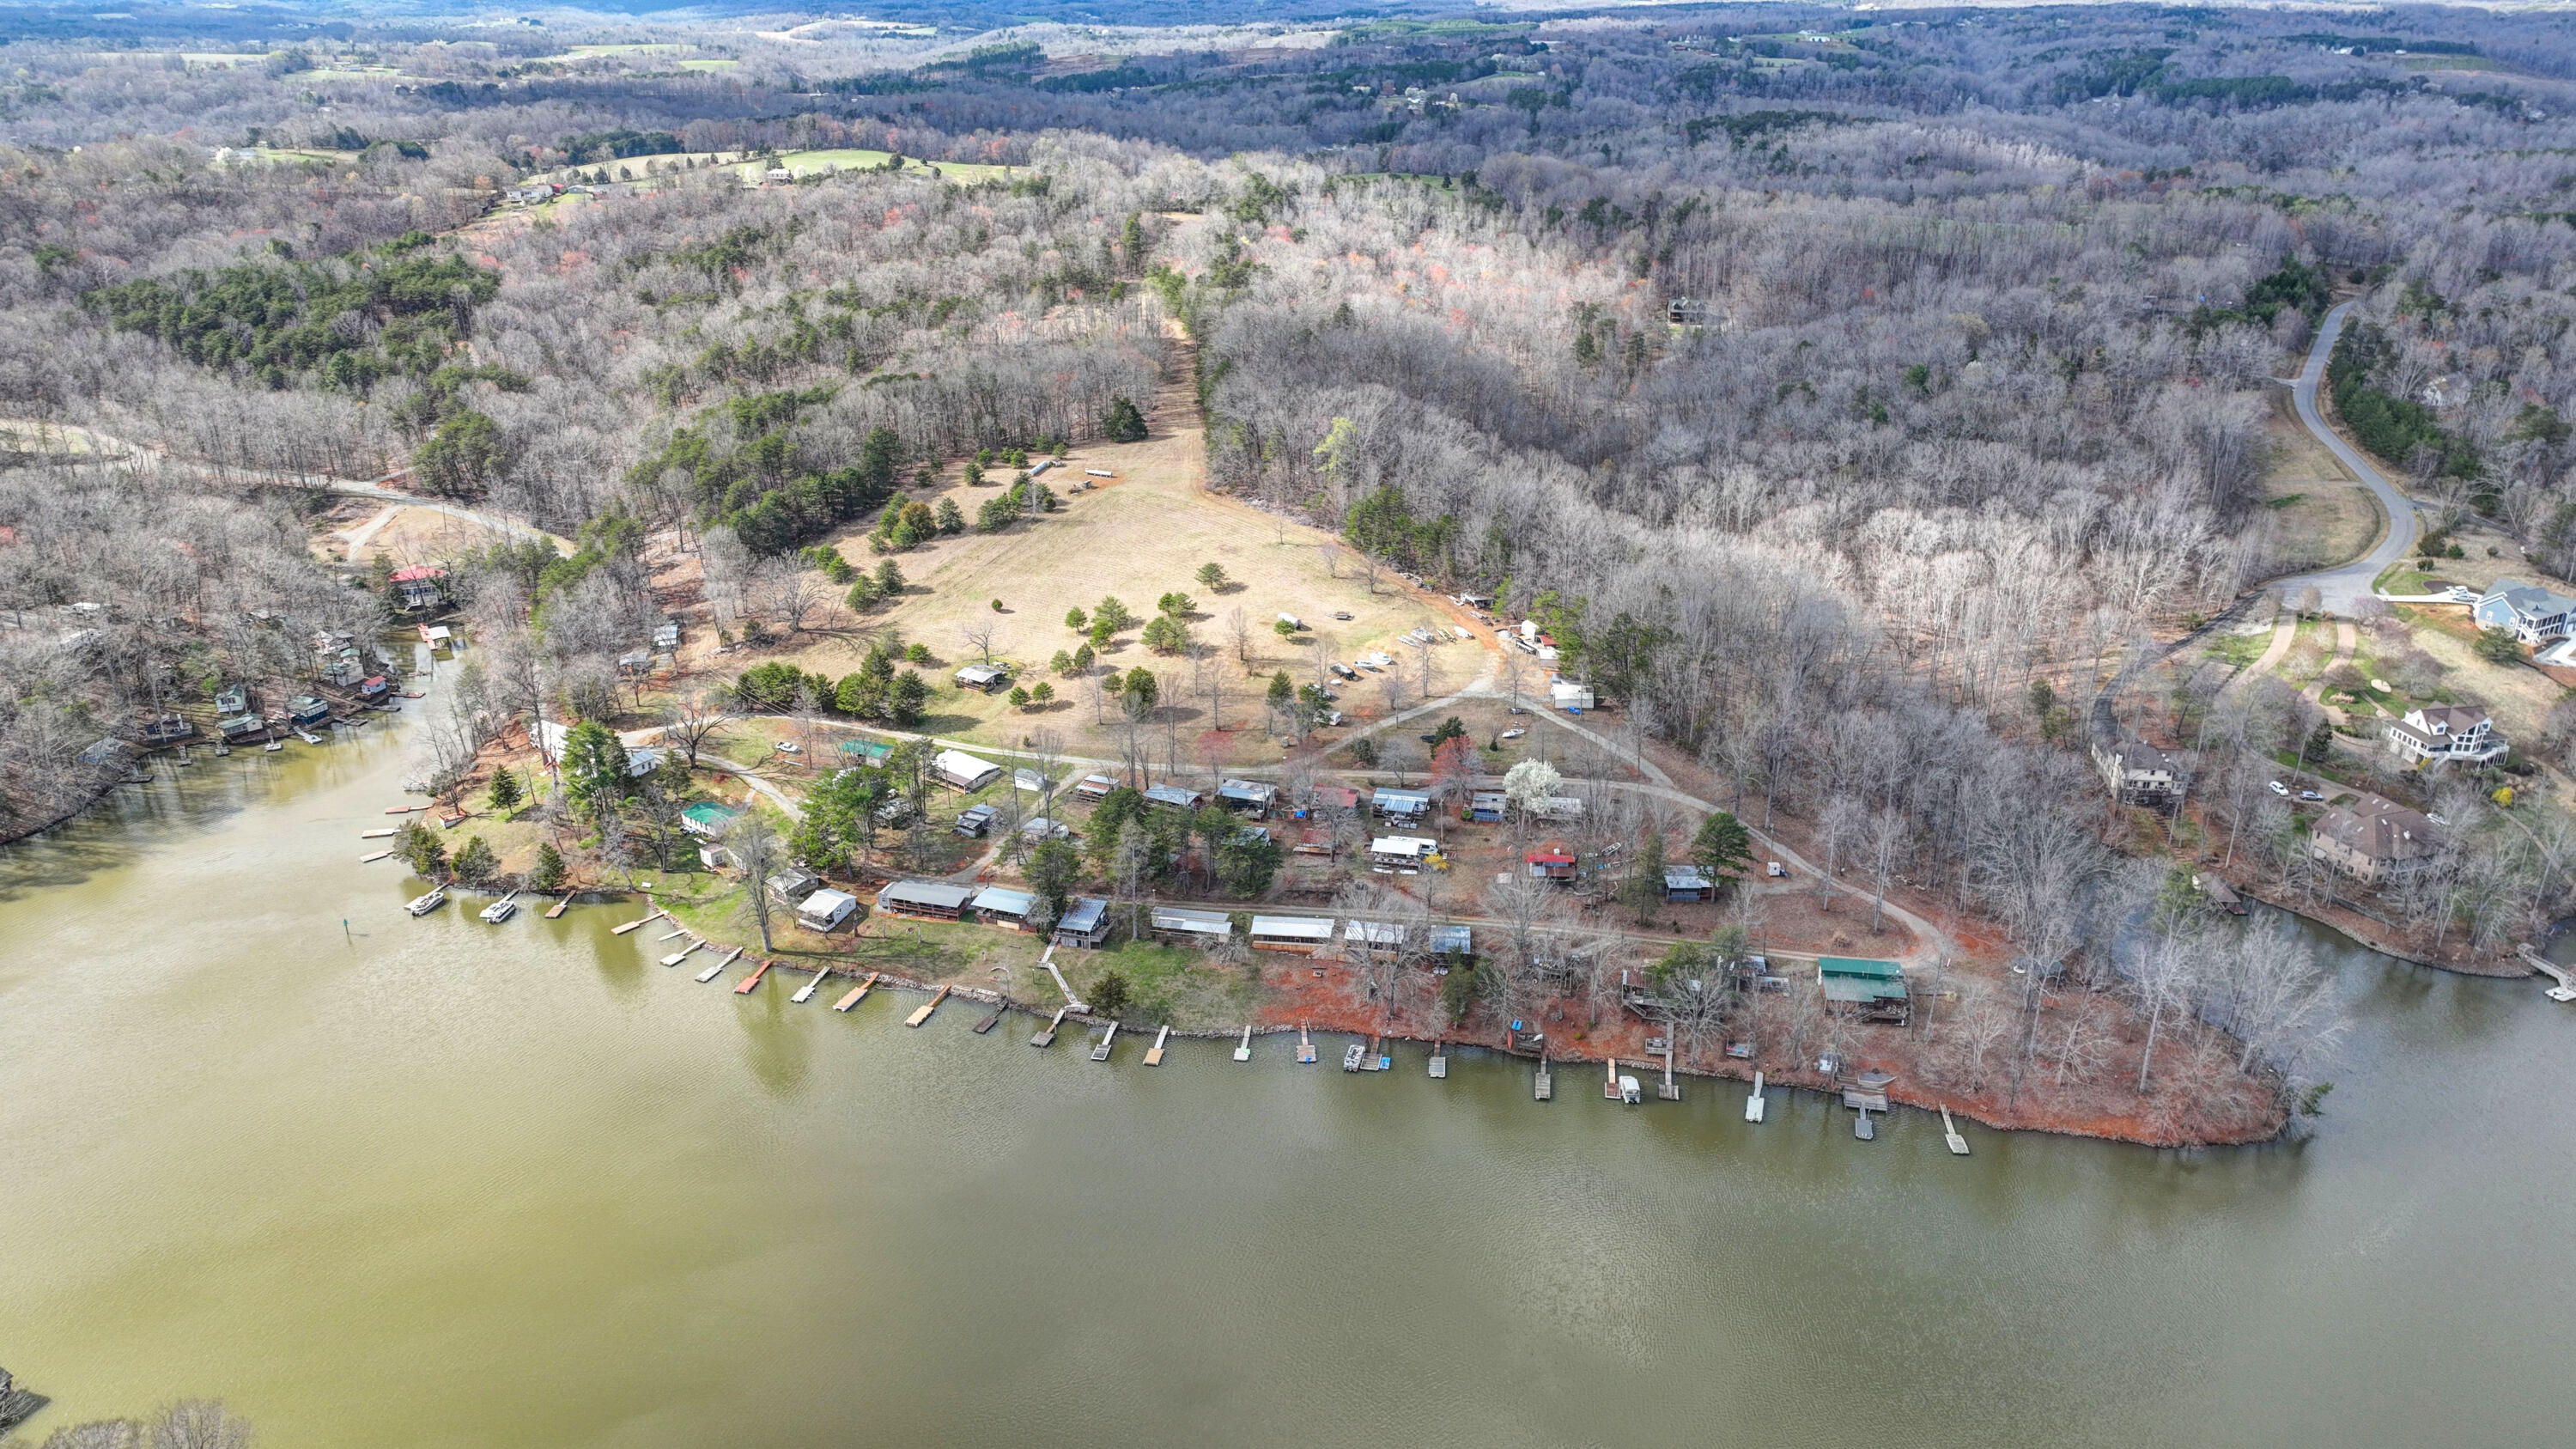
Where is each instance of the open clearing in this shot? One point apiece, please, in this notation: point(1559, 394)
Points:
point(816, 163)
point(1142, 535)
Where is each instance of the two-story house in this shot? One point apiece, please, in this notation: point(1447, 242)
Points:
point(2446, 732)
point(422, 586)
point(2534, 615)
point(2375, 841)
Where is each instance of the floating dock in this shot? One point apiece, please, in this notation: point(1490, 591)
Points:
point(857, 994)
point(675, 935)
point(1753, 1102)
point(1000, 1009)
point(378, 834)
point(712, 972)
point(1950, 1134)
point(1610, 1083)
point(683, 954)
point(2565, 990)
point(373, 858)
point(403, 809)
point(637, 925)
point(1243, 1049)
point(1545, 1088)
point(1100, 1049)
point(1862, 1129)
point(1305, 1045)
point(751, 983)
point(922, 1012)
point(806, 992)
point(1154, 1053)
point(1378, 1060)
point(1439, 1059)
point(1045, 1036)
point(559, 908)
point(1668, 1090)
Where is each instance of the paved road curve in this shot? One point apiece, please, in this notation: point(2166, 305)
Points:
point(2339, 587)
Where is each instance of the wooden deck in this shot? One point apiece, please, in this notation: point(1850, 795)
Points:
point(1950, 1134)
point(1100, 1050)
point(1045, 1036)
point(1154, 1053)
point(857, 994)
point(639, 924)
point(1544, 1089)
point(1305, 1045)
point(751, 983)
point(1753, 1100)
point(559, 908)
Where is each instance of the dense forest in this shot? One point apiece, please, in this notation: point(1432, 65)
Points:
point(1824, 380)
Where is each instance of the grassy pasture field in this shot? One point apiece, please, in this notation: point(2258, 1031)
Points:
point(808, 163)
point(1141, 535)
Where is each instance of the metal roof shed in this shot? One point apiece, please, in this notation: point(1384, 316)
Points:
point(1388, 934)
point(1002, 903)
point(932, 898)
point(1291, 933)
point(964, 771)
point(1453, 941)
point(1196, 927)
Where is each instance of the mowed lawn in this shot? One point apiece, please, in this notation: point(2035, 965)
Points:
point(1141, 535)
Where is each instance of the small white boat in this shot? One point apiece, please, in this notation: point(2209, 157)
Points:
point(1352, 1058)
point(502, 909)
point(423, 905)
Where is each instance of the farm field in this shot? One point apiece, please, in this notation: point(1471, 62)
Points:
point(808, 163)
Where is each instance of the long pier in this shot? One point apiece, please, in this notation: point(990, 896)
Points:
point(922, 1013)
point(373, 858)
point(1753, 1101)
point(637, 925)
point(683, 954)
point(1243, 1049)
point(1439, 1058)
point(1305, 1045)
point(712, 972)
point(806, 992)
point(857, 994)
point(1950, 1133)
point(751, 983)
point(1544, 1089)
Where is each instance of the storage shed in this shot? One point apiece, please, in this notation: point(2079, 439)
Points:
point(960, 770)
point(1190, 928)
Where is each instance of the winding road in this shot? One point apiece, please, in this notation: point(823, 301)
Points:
point(2339, 587)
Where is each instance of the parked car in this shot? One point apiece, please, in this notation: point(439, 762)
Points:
point(790, 747)
point(1342, 615)
point(2280, 789)
point(2310, 795)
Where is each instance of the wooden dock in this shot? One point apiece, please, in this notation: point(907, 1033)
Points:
point(675, 935)
point(922, 1012)
point(1100, 1049)
point(712, 972)
point(1545, 1088)
point(1753, 1102)
point(683, 954)
point(378, 834)
point(1439, 1058)
point(559, 908)
point(1378, 1060)
point(857, 994)
point(1668, 1090)
point(806, 992)
point(2565, 990)
point(1950, 1134)
point(1154, 1053)
point(1610, 1083)
point(1045, 1036)
point(403, 809)
point(373, 858)
point(1305, 1045)
point(637, 925)
point(1000, 1010)
point(751, 983)
point(1243, 1049)
point(1862, 1129)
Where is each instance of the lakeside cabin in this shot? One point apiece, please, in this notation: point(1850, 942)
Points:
point(234, 699)
point(1085, 923)
point(1402, 805)
point(1304, 935)
point(1094, 787)
point(305, 709)
point(1869, 989)
point(708, 819)
point(1178, 797)
point(1176, 926)
point(1553, 860)
point(1041, 828)
point(1254, 797)
point(826, 909)
point(925, 900)
point(1373, 935)
point(1688, 883)
point(961, 771)
point(1402, 852)
point(240, 726)
point(983, 677)
point(1003, 906)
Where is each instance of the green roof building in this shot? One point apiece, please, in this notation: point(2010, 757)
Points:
point(707, 818)
point(1871, 989)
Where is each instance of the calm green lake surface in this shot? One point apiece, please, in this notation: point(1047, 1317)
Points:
point(443, 1183)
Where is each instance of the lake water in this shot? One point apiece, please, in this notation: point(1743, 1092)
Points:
point(443, 1183)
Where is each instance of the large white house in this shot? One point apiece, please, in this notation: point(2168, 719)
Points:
point(2442, 732)
point(2535, 615)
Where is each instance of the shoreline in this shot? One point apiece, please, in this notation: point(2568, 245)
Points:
point(1973, 1109)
